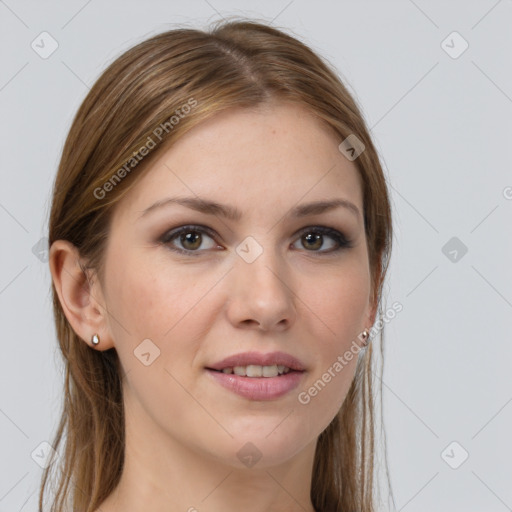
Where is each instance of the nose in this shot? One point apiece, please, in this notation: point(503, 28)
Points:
point(261, 295)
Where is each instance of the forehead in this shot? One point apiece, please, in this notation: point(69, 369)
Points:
point(273, 154)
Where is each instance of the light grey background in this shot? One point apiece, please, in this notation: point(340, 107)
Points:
point(443, 127)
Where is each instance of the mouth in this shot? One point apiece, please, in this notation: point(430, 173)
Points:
point(257, 371)
point(257, 383)
point(258, 364)
point(258, 376)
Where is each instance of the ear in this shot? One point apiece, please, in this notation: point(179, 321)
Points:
point(81, 297)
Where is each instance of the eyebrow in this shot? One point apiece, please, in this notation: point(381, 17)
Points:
point(229, 212)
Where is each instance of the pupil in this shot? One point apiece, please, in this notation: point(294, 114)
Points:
point(189, 239)
point(315, 238)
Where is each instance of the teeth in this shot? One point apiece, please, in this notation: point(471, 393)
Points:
point(266, 371)
point(254, 370)
point(257, 371)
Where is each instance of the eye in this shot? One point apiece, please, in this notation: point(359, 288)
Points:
point(191, 239)
point(312, 238)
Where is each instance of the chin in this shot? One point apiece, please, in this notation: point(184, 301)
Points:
point(259, 450)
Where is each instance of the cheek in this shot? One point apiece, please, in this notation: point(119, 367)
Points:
point(165, 307)
point(150, 300)
point(339, 303)
point(336, 310)
point(139, 292)
point(140, 303)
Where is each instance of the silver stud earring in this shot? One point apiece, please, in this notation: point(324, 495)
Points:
point(95, 340)
point(365, 334)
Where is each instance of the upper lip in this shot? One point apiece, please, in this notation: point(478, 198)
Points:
point(257, 358)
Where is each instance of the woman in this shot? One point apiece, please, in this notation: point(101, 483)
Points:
point(219, 236)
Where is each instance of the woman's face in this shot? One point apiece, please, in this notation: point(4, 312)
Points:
point(264, 281)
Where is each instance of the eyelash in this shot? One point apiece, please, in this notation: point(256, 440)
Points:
point(339, 238)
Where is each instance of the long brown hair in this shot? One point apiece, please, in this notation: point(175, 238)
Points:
point(236, 63)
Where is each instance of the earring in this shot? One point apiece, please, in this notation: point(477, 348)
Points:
point(365, 334)
point(95, 339)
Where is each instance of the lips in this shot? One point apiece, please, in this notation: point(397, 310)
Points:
point(260, 359)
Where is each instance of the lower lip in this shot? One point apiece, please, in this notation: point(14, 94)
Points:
point(258, 388)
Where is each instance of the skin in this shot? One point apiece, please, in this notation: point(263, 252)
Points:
point(183, 430)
